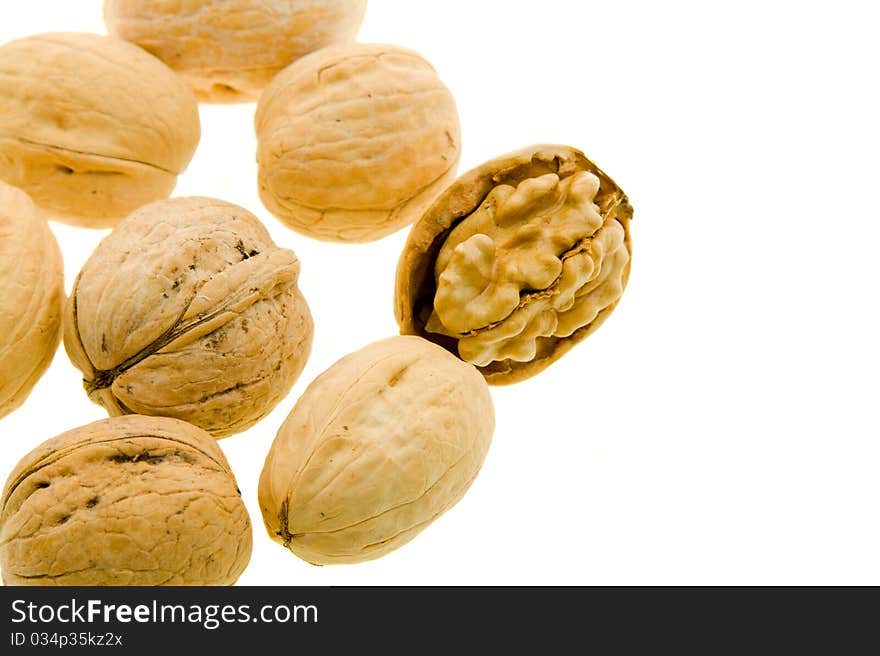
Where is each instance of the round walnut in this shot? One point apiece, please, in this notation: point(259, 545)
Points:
point(379, 446)
point(517, 261)
point(92, 127)
point(189, 310)
point(124, 501)
point(228, 51)
point(31, 297)
point(355, 142)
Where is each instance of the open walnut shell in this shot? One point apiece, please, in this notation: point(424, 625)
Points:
point(517, 261)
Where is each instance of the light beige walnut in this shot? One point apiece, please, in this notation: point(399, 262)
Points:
point(228, 51)
point(379, 446)
point(517, 261)
point(355, 142)
point(92, 127)
point(189, 310)
point(31, 297)
point(124, 501)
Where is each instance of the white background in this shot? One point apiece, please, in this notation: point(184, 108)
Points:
point(722, 426)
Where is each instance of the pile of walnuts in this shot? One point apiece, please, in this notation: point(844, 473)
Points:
point(187, 322)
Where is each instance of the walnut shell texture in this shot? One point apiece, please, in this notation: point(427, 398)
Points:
point(31, 297)
point(124, 501)
point(378, 446)
point(92, 127)
point(517, 261)
point(189, 310)
point(228, 51)
point(355, 141)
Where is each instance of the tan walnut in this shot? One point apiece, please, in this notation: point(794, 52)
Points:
point(92, 127)
point(355, 141)
point(124, 501)
point(228, 51)
point(517, 261)
point(189, 310)
point(31, 297)
point(378, 447)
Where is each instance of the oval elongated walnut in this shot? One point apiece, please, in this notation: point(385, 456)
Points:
point(124, 501)
point(189, 310)
point(378, 447)
point(32, 297)
point(92, 127)
point(517, 261)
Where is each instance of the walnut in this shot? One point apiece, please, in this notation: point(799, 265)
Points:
point(124, 501)
point(517, 261)
point(92, 127)
point(377, 448)
point(228, 51)
point(189, 310)
point(32, 298)
point(355, 142)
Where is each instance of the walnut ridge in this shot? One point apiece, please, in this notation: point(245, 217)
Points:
point(214, 331)
point(124, 501)
point(378, 446)
point(92, 127)
point(31, 297)
point(355, 141)
point(228, 51)
point(517, 261)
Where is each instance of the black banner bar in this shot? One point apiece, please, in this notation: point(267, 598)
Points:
point(534, 620)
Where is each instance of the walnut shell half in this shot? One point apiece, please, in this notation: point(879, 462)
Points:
point(378, 447)
point(188, 309)
point(31, 297)
point(124, 501)
point(92, 127)
point(517, 261)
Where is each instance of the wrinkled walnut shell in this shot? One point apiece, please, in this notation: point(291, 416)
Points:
point(539, 255)
point(188, 309)
point(378, 447)
point(92, 127)
point(355, 141)
point(124, 501)
point(31, 297)
point(228, 51)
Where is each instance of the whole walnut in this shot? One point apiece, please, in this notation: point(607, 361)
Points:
point(189, 310)
point(355, 141)
point(378, 447)
point(31, 297)
point(228, 51)
point(124, 501)
point(92, 127)
point(517, 261)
